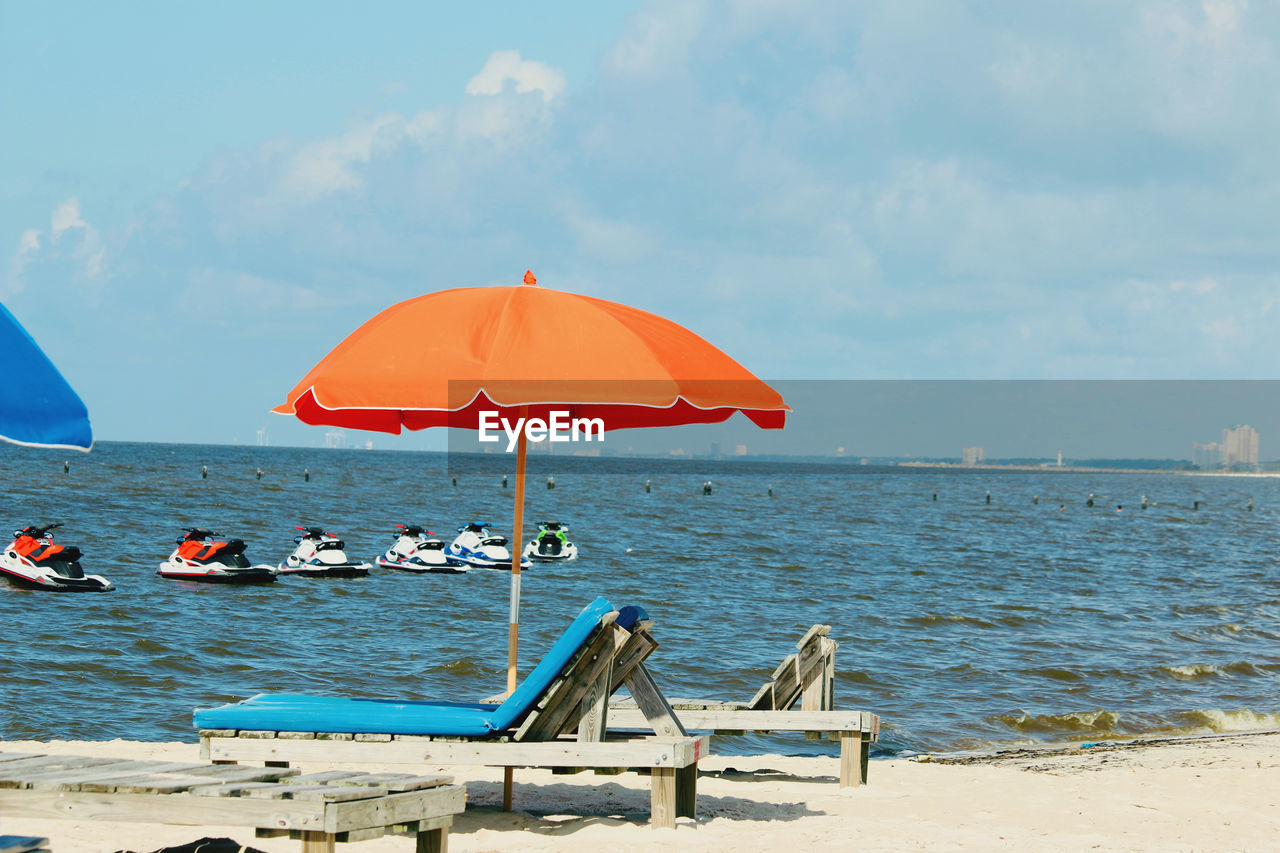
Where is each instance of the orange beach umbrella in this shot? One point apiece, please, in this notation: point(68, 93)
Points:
point(449, 358)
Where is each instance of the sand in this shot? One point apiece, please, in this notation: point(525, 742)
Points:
point(1218, 793)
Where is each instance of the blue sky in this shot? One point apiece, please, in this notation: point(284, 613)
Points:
point(196, 206)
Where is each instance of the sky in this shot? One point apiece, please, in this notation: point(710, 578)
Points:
point(195, 206)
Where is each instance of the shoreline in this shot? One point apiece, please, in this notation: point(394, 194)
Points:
point(1200, 792)
point(1081, 469)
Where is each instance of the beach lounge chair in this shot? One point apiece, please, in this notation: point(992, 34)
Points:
point(806, 676)
point(556, 718)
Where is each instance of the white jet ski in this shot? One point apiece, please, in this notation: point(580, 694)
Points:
point(417, 550)
point(552, 544)
point(476, 546)
point(321, 555)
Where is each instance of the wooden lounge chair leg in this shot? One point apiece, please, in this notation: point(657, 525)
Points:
point(662, 799)
point(687, 791)
point(864, 756)
point(317, 842)
point(433, 841)
point(852, 751)
point(508, 782)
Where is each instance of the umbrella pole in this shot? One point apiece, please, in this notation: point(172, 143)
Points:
point(513, 629)
point(517, 528)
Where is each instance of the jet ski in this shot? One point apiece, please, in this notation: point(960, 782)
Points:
point(321, 555)
point(33, 561)
point(199, 558)
point(416, 550)
point(476, 546)
point(552, 544)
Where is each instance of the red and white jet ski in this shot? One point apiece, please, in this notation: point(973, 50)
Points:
point(199, 558)
point(33, 561)
point(321, 555)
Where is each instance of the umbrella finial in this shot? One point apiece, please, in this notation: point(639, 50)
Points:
point(529, 278)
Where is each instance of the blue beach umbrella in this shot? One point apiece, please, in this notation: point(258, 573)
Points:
point(37, 406)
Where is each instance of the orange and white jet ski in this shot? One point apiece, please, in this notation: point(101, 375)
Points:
point(199, 558)
point(34, 561)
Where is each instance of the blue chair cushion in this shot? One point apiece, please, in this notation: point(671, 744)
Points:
point(287, 712)
point(292, 712)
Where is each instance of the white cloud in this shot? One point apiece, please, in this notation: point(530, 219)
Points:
point(82, 258)
point(29, 241)
point(526, 75)
point(1203, 286)
point(657, 41)
point(65, 217)
point(330, 165)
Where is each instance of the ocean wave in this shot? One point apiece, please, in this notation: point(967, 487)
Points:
point(1239, 720)
point(1097, 723)
point(1199, 671)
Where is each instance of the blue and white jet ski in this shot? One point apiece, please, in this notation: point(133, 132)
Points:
point(476, 546)
point(321, 555)
point(417, 550)
point(552, 544)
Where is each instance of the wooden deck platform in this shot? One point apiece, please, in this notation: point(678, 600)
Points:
point(672, 762)
point(318, 809)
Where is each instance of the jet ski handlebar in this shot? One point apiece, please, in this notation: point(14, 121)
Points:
point(36, 532)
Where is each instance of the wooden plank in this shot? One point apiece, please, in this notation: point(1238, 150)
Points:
point(653, 705)
point(326, 793)
point(432, 841)
point(612, 752)
point(781, 721)
point(328, 777)
point(662, 798)
point(850, 760)
point(14, 756)
point(398, 783)
point(687, 791)
point(633, 652)
point(813, 633)
point(167, 783)
point(595, 707)
point(181, 809)
point(829, 677)
point(231, 789)
point(272, 814)
point(395, 808)
point(72, 779)
point(12, 772)
point(317, 842)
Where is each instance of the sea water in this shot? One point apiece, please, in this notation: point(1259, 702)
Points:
point(964, 624)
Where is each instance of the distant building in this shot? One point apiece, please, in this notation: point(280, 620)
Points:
point(1206, 455)
point(335, 439)
point(740, 450)
point(972, 455)
point(715, 448)
point(1240, 445)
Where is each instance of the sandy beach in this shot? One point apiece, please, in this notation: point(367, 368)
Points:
point(1215, 793)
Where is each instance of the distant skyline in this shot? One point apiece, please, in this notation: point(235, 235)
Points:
point(1088, 419)
point(196, 207)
